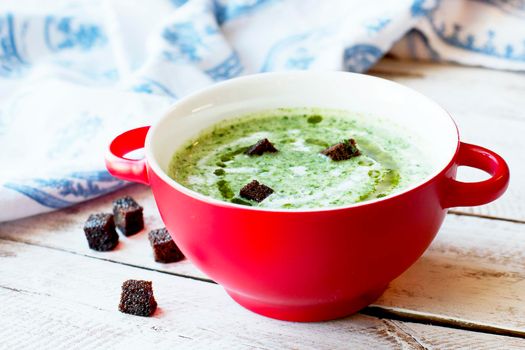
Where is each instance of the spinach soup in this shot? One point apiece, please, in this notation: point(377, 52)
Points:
point(299, 158)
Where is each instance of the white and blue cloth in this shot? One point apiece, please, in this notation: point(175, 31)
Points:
point(73, 74)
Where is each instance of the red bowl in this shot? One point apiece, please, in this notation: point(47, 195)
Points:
point(311, 264)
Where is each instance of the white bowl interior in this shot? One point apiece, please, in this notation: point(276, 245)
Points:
point(418, 115)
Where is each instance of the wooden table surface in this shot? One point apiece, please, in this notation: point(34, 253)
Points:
point(466, 291)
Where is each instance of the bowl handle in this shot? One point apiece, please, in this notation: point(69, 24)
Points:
point(459, 194)
point(125, 168)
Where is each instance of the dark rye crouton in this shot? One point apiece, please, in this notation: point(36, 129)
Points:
point(137, 298)
point(261, 147)
point(342, 151)
point(100, 232)
point(164, 248)
point(255, 191)
point(128, 215)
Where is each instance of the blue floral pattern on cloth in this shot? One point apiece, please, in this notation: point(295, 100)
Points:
point(65, 33)
point(178, 3)
point(200, 41)
point(483, 42)
point(65, 191)
point(72, 76)
point(378, 24)
point(454, 37)
point(187, 39)
point(423, 7)
point(10, 59)
point(360, 57)
point(231, 67)
point(296, 52)
point(150, 86)
point(228, 10)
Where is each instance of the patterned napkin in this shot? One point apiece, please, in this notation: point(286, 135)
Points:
point(73, 74)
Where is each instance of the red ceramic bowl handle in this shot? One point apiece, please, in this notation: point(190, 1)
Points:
point(125, 168)
point(459, 194)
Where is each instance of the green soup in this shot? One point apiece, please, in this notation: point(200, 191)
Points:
point(215, 164)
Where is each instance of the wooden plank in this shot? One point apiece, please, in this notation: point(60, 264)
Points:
point(53, 299)
point(447, 338)
point(488, 106)
point(473, 273)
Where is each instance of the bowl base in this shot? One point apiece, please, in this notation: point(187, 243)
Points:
point(309, 313)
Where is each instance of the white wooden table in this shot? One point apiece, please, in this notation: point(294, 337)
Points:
point(467, 291)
